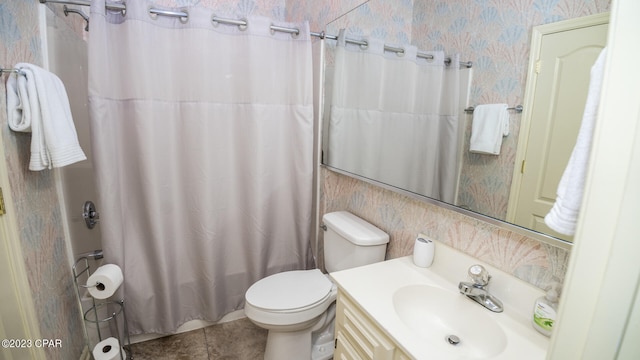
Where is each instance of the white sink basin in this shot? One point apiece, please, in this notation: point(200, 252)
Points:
point(435, 314)
point(418, 308)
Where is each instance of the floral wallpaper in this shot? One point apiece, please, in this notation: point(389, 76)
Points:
point(366, 21)
point(36, 203)
point(403, 218)
point(320, 13)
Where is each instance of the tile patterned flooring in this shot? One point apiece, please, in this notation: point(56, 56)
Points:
point(234, 340)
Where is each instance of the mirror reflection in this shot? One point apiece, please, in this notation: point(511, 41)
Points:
point(397, 115)
point(380, 125)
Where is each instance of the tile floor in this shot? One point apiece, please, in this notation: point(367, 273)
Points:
point(234, 340)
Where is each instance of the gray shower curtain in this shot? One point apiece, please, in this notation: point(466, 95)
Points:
point(395, 119)
point(202, 139)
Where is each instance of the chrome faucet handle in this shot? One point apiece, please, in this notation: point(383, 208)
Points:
point(479, 275)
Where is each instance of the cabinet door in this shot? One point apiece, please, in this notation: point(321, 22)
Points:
point(344, 350)
point(358, 337)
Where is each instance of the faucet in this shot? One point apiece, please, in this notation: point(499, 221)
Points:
point(476, 289)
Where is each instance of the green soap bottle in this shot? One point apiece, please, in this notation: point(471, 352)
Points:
point(545, 309)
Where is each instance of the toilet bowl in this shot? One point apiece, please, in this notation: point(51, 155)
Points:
point(298, 307)
point(292, 305)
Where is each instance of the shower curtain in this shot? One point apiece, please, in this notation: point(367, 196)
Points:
point(394, 117)
point(202, 139)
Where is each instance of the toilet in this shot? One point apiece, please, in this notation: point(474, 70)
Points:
point(298, 307)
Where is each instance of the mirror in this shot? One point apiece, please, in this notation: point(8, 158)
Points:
point(498, 44)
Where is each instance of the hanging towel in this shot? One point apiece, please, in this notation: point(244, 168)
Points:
point(37, 102)
point(564, 213)
point(490, 124)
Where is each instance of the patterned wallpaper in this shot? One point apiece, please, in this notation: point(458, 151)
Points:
point(372, 19)
point(36, 203)
point(320, 13)
point(403, 218)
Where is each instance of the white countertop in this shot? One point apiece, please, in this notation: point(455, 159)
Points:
point(372, 287)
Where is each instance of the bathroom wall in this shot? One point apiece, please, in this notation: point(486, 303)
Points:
point(38, 212)
point(320, 13)
point(495, 35)
point(403, 218)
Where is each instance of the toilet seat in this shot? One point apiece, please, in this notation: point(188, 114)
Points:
point(289, 291)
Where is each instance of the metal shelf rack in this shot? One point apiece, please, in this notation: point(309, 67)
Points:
point(104, 314)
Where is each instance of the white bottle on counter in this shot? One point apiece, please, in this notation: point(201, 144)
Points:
point(423, 251)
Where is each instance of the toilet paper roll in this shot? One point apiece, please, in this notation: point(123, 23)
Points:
point(423, 251)
point(108, 278)
point(109, 349)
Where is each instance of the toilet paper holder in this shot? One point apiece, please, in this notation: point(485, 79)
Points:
point(96, 255)
point(99, 285)
point(109, 312)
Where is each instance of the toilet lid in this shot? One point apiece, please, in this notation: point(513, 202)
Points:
point(289, 290)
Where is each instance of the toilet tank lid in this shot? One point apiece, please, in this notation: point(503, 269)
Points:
point(355, 229)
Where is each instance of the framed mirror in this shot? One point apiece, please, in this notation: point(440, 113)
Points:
point(485, 186)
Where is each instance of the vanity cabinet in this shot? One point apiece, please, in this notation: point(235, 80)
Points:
point(358, 337)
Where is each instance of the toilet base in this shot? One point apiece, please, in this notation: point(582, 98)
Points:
point(323, 338)
point(322, 351)
point(312, 343)
point(295, 345)
point(288, 345)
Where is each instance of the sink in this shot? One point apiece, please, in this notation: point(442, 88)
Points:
point(447, 321)
point(421, 308)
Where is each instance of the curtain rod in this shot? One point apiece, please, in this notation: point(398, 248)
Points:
point(243, 24)
point(397, 50)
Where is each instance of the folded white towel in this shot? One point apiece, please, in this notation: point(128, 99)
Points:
point(564, 213)
point(490, 124)
point(37, 102)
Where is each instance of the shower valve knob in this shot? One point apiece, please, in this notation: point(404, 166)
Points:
point(90, 214)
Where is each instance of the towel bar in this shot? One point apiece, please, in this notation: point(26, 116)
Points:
point(15, 71)
point(517, 109)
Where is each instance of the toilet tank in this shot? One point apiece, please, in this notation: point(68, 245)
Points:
point(350, 241)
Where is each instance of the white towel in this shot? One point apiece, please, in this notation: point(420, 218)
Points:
point(490, 124)
point(564, 213)
point(37, 102)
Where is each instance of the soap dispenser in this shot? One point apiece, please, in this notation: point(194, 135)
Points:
point(545, 310)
